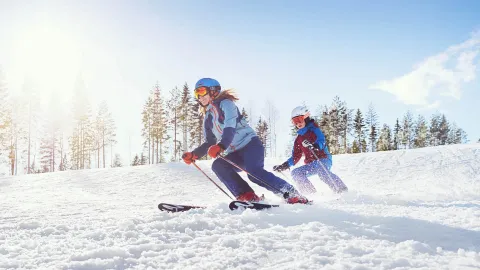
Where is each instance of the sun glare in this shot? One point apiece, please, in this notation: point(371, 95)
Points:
point(48, 58)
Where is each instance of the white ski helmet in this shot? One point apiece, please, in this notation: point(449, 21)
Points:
point(300, 110)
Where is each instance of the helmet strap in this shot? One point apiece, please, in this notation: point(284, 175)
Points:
point(213, 93)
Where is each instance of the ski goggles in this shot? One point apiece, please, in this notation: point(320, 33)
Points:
point(200, 91)
point(298, 119)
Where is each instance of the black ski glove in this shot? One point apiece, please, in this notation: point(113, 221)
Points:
point(283, 167)
point(311, 146)
point(307, 144)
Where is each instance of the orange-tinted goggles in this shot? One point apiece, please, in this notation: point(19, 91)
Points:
point(200, 91)
point(298, 119)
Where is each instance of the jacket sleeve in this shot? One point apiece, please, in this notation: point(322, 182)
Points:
point(296, 153)
point(230, 112)
point(320, 138)
point(209, 138)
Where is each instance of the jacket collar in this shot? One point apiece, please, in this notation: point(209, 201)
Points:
point(215, 102)
point(306, 128)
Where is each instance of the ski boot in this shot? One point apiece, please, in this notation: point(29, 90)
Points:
point(249, 196)
point(341, 188)
point(295, 198)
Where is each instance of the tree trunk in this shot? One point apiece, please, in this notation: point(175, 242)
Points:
point(157, 150)
point(103, 146)
point(153, 150)
point(29, 141)
point(98, 157)
point(175, 134)
point(53, 155)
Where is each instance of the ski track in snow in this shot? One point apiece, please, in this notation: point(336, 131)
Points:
point(415, 209)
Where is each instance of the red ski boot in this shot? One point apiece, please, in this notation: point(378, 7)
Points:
point(249, 196)
point(298, 199)
point(292, 199)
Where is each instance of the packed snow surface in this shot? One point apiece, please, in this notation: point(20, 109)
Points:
point(408, 209)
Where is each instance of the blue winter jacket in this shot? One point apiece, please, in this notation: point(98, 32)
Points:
point(223, 124)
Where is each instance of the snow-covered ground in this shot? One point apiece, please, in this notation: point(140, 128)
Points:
point(415, 209)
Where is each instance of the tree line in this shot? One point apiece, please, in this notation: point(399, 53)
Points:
point(173, 124)
point(36, 140)
point(353, 131)
point(39, 138)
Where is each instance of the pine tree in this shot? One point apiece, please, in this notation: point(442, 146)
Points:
point(17, 135)
point(196, 130)
point(155, 126)
point(245, 115)
point(334, 123)
point(136, 161)
point(5, 123)
point(262, 131)
point(147, 128)
point(174, 110)
point(143, 159)
point(420, 132)
point(408, 130)
point(344, 123)
point(63, 166)
point(47, 152)
point(364, 146)
point(117, 162)
point(372, 123)
point(444, 129)
point(29, 118)
point(324, 122)
point(397, 135)
point(160, 120)
point(81, 140)
point(271, 121)
point(333, 130)
point(359, 127)
point(185, 115)
point(293, 135)
point(456, 135)
point(51, 140)
point(355, 147)
point(384, 142)
point(105, 132)
point(434, 131)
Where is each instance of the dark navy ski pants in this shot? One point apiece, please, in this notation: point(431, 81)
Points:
point(250, 158)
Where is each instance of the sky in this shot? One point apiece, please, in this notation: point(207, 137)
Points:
point(397, 55)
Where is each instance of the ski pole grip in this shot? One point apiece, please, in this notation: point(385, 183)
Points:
point(307, 144)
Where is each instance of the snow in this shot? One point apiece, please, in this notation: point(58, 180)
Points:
point(408, 209)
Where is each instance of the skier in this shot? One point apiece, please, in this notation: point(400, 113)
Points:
point(311, 143)
point(226, 133)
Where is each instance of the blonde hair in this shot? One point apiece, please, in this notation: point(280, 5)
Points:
point(226, 94)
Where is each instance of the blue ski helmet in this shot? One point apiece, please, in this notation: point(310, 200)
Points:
point(212, 85)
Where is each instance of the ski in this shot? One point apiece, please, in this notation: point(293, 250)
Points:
point(250, 205)
point(177, 207)
point(174, 208)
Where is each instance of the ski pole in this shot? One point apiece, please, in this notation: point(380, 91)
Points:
point(258, 179)
point(212, 181)
point(307, 144)
point(284, 175)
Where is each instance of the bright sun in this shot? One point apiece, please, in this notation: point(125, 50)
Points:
point(47, 58)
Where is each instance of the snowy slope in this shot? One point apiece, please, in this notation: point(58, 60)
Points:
point(415, 209)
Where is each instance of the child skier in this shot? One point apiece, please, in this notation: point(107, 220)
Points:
point(311, 143)
point(226, 133)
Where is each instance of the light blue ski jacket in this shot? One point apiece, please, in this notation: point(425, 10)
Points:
point(223, 124)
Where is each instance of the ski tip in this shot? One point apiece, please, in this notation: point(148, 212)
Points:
point(250, 205)
point(173, 208)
